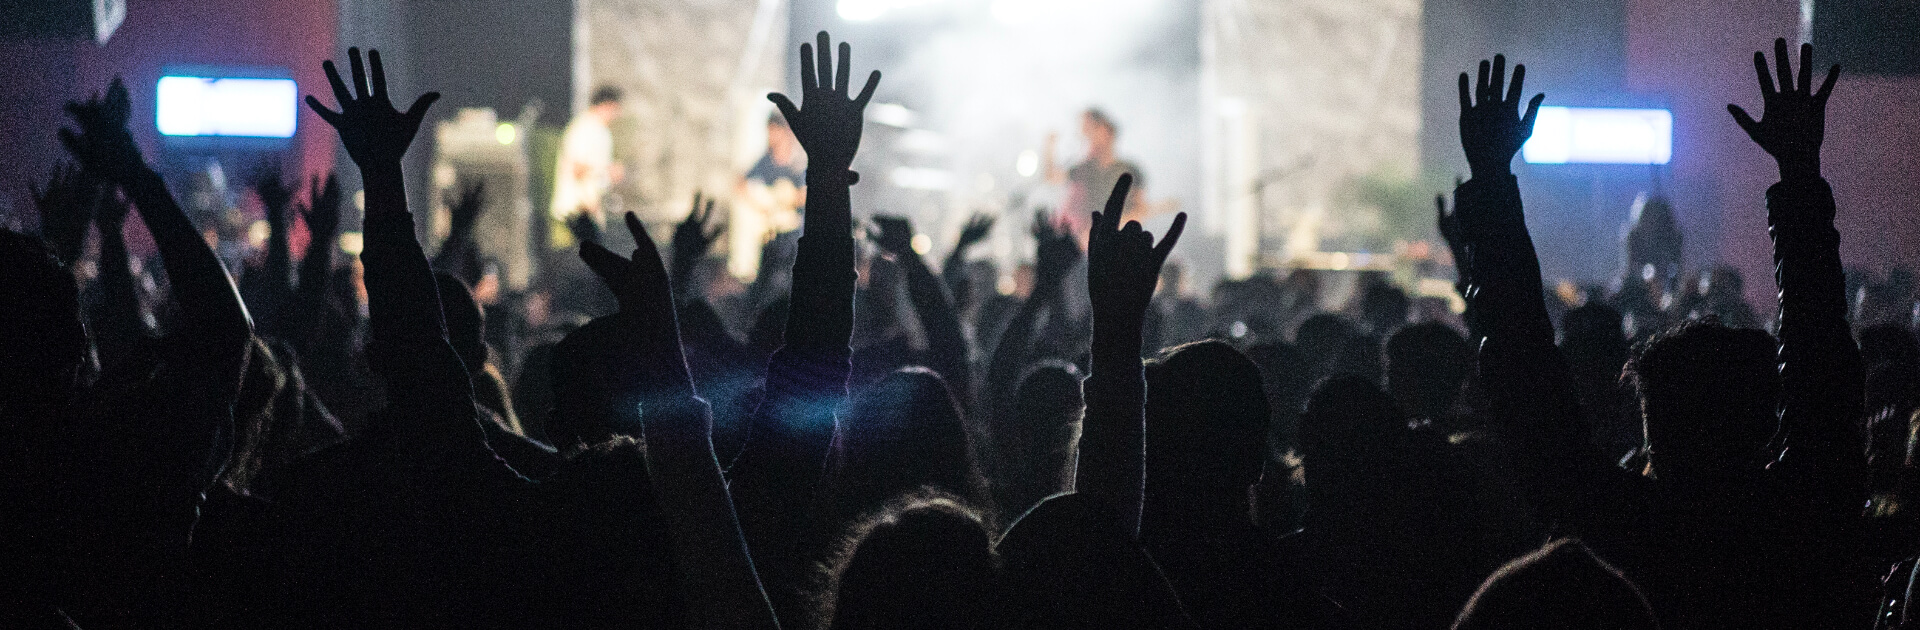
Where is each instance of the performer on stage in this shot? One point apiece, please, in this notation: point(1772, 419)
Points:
point(768, 201)
point(1089, 181)
point(585, 170)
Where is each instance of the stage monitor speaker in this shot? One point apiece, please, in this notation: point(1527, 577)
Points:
point(28, 19)
point(1868, 36)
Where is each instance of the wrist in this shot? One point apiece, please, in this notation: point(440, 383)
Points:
point(1799, 169)
point(831, 176)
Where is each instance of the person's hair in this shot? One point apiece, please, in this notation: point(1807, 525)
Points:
point(604, 94)
point(1426, 364)
point(1348, 422)
point(43, 344)
point(1708, 395)
point(1207, 418)
point(902, 433)
point(1035, 447)
point(466, 322)
point(1560, 585)
point(925, 560)
point(1099, 117)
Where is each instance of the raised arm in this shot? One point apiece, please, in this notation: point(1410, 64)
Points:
point(692, 238)
point(1123, 267)
point(268, 289)
point(939, 318)
point(775, 476)
point(458, 254)
point(954, 270)
point(322, 215)
point(1054, 256)
point(1527, 380)
point(1821, 376)
point(214, 326)
point(120, 325)
point(717, 579)
point(428, 385)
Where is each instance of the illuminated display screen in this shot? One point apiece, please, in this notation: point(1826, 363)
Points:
point(1600, 135)
point(240, 107)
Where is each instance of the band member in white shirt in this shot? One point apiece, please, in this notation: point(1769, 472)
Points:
point(585, 170)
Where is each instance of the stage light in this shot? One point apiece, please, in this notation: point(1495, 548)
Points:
point(861, 10)
point(922, 244)
point(505, 133)
point(891, 115)
point(920, 178)
point(244, 107)
point(1027, 164)
point(352, 243)
point(1600, 135)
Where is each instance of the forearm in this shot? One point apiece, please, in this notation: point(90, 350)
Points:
point(1008, 360)
point(316, 268)
point(121, 310)
point(1821, 375)
point(820, 314)
point(717, 578)
point(201, 288)
point(402, 300)
point(940, 322)
point(1112, 445)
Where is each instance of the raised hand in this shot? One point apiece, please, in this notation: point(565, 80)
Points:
point(826, 123)
point(1123, 263)
point(894, 235)
point(103, 145)
point(1056, 252)
point(640, 284)
point(1793, 122)
point(323, 212)
point(1492, 126)
point(274, 194)
point(465, 208)
point(374, 132)
point(692, 239)
point(64, 206)
point(977, 228)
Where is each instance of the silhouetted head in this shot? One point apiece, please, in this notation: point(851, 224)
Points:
point(1384, 306)
point(605, 103)
point(466, 323)
point(1100, 131)
point(1562, 585)
point(1892, 360)
point(1707, 397)
point(902, 433)
point(592, 374)
point(42, 342)
point(1349, 430)
point(926, 561)
point(1206, 431)
point(1426, 365)
point(1321, 337)
point(1594, 332)
point(1041, 442)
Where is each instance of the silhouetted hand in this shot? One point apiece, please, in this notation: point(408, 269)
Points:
point(694, 237)
point(464, 209)
point(1492, 127)
point(1794, 119)
point(373, 131)
point(323, 215)
point(977, 228)
point(1123, 263)
point(1054, 257)
point(103, 145)
point(640, 285)
point(893, 234)
point(274, 194)
point(64, 206)
point(826, 123)
point(583, 228)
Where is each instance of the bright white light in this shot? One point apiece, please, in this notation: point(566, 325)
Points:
point(922, 244)
point(504, 133)
point(918, 178)
point(199, 106)
point(891, 114)
point(861, 10)
point(1597, 135)
point(1027, 164)
point(1028, 11)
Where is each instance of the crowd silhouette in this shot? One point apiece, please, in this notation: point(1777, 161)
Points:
point(864, 441)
